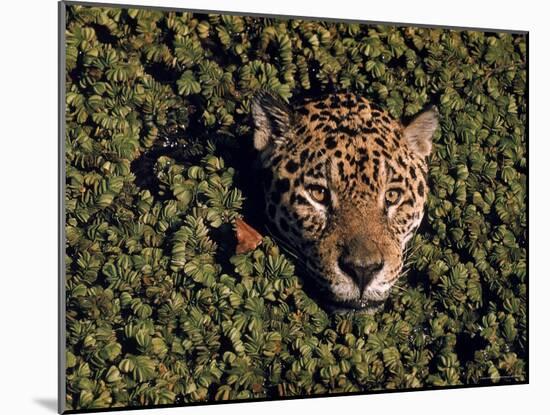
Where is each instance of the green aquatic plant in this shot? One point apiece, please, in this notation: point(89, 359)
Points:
point(159, 308)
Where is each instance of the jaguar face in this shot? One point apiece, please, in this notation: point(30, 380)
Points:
point(345, 187)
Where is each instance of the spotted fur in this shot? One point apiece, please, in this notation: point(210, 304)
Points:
point(345, 186)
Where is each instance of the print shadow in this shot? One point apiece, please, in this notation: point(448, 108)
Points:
point(49, 403)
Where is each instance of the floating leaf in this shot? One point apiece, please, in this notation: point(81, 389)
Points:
point(248, 238)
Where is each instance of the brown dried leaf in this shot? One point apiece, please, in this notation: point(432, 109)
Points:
point(248, 238)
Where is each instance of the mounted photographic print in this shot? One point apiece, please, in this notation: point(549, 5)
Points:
point(273, 207)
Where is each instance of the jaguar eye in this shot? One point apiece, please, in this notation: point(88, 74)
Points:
point(319, 193)
point(393, 197)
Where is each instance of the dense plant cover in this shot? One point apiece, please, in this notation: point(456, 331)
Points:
point(161, 311)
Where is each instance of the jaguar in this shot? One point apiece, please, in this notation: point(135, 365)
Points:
point(345, 186)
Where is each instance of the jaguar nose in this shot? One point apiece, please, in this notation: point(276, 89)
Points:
point(361, 271)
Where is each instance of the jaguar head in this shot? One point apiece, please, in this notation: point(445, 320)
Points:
point(345, 187)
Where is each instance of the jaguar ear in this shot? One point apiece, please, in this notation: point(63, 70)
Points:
point(272, 120)
point(420, 131)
